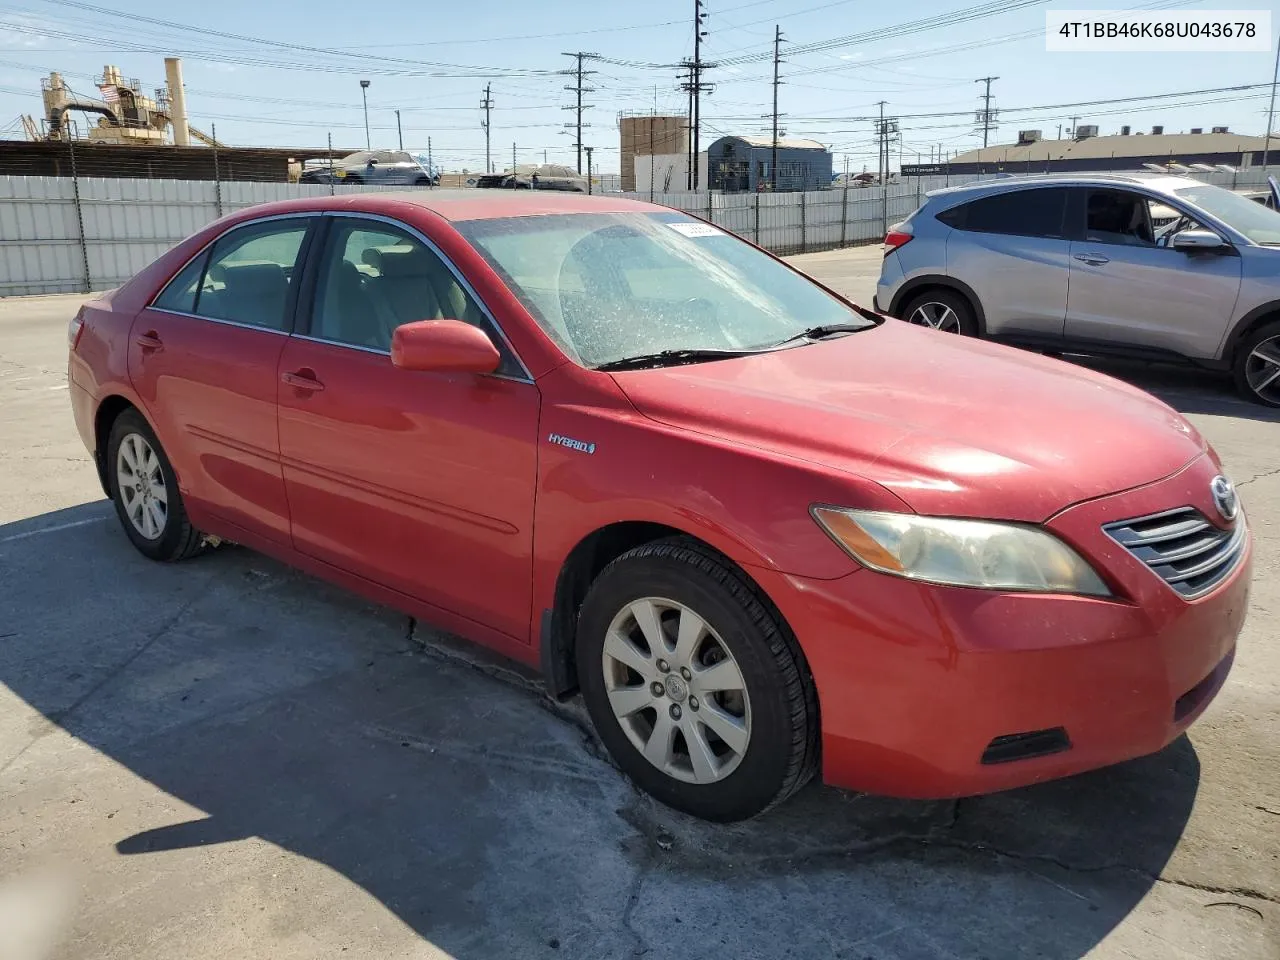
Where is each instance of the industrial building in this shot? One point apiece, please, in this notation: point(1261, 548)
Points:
point(740, 164)
point(647, 135)
point(1087, 151)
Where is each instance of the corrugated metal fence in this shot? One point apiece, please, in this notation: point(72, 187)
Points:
point(72, 234)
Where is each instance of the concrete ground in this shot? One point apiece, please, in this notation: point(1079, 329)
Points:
point(225, 758)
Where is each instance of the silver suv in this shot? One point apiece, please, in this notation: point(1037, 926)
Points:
point(1154, 267)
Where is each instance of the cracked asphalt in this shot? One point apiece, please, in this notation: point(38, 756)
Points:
point(226, 758)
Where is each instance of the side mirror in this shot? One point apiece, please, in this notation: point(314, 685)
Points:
point(443, 346)
point(1199, 241)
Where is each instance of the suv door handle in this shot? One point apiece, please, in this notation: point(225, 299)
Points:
point(304, 379)
point(1095, 259)
point(149, 341)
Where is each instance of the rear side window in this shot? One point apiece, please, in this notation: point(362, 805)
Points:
point(180, 294)
point(251, 272)
point(1022, 213)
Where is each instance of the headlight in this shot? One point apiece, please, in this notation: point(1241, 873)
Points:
point(964, 553)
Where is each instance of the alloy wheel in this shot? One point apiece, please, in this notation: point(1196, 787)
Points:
point(939, 316)
point(140, 481)
point(1262, 370)
point(676, 690)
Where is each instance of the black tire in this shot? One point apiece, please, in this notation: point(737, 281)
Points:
point(781, 754)
point(1245, 362)
point(177, 539)
point(957, 303)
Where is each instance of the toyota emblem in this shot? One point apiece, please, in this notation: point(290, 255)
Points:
point(1224, 497)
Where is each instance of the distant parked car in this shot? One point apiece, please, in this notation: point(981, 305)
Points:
point(1080, 264)
point(375, 166)
point(550, 176)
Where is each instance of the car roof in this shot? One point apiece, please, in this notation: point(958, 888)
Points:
point(1160, 182)
point(461, 205)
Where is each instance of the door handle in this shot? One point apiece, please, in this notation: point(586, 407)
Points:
point(304, 379)
point(149, 341)
point(1095, 259)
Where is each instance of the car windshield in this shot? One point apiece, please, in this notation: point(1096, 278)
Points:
point(1260, 224)
point(611, 286)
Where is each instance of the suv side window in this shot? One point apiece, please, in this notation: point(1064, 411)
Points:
point(374, 277)
point(1038, 212)
point(1119, 217)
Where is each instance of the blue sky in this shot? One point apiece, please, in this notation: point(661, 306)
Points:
point(433, 61)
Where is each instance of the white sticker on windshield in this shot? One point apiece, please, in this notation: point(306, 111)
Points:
point(696, 229)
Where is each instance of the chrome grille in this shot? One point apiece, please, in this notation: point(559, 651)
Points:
point(1184, 549)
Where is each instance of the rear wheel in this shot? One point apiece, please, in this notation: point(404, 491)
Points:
point(1257, 366)
point(943, 310)
point(694, 683)
point(145, 492)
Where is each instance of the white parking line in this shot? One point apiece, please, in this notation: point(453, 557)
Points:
point(53, 529)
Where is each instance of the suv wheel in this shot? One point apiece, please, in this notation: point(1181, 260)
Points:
point(943, 310)
point(1257, 366)
point(694, 683)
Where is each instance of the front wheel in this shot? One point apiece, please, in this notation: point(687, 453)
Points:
point(145, 492)
point(943, 310)
point(694, 683)
point(1257, 366)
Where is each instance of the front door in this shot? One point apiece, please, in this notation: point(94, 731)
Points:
point(203, 358)
point(423, 482)
point(1130, 287)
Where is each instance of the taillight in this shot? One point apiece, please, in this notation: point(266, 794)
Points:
point(75, 328)
point(894, 239)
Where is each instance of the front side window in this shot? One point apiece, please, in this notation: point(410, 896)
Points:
point(375, 277)
point(1023, 213)
point(1119, 217)
point(607, 287)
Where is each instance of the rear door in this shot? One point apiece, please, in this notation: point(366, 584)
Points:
point(1129, 287)
point(1012, 250)
point(203, 358)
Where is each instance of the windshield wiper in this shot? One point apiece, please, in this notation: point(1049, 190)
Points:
point(825, 330)
point(672, 357)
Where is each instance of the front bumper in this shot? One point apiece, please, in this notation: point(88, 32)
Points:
point(916, 681)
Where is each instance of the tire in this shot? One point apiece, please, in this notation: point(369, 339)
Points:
point(941, 306)
point(773, 721)
point(169, 539)
point(1253, 366)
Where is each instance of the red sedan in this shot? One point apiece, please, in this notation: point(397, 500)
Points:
point(762, 530)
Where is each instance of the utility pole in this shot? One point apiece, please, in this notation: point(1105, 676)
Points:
point(431, 165)
point(696, 88)
point(399, 132)
point(1271, 111)
point(882, 149)
point(1074, 121)
point(578, 89)
point(589, 149)
point(514, 179)
point(986, 117)
point(777, 59)
point(486, 104)
point(364, 96)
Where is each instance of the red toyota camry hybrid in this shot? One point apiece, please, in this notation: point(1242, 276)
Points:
point(762, 530)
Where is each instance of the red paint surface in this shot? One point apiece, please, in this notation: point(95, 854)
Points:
point(440, 493)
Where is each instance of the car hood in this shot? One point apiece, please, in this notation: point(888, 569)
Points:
point(953, 426)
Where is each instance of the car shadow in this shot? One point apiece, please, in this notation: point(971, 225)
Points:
point(478, 813)
point(1185, 388)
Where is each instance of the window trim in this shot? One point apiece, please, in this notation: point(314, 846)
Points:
point(304, 256)
point(312, 288)
point(1081, 214)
